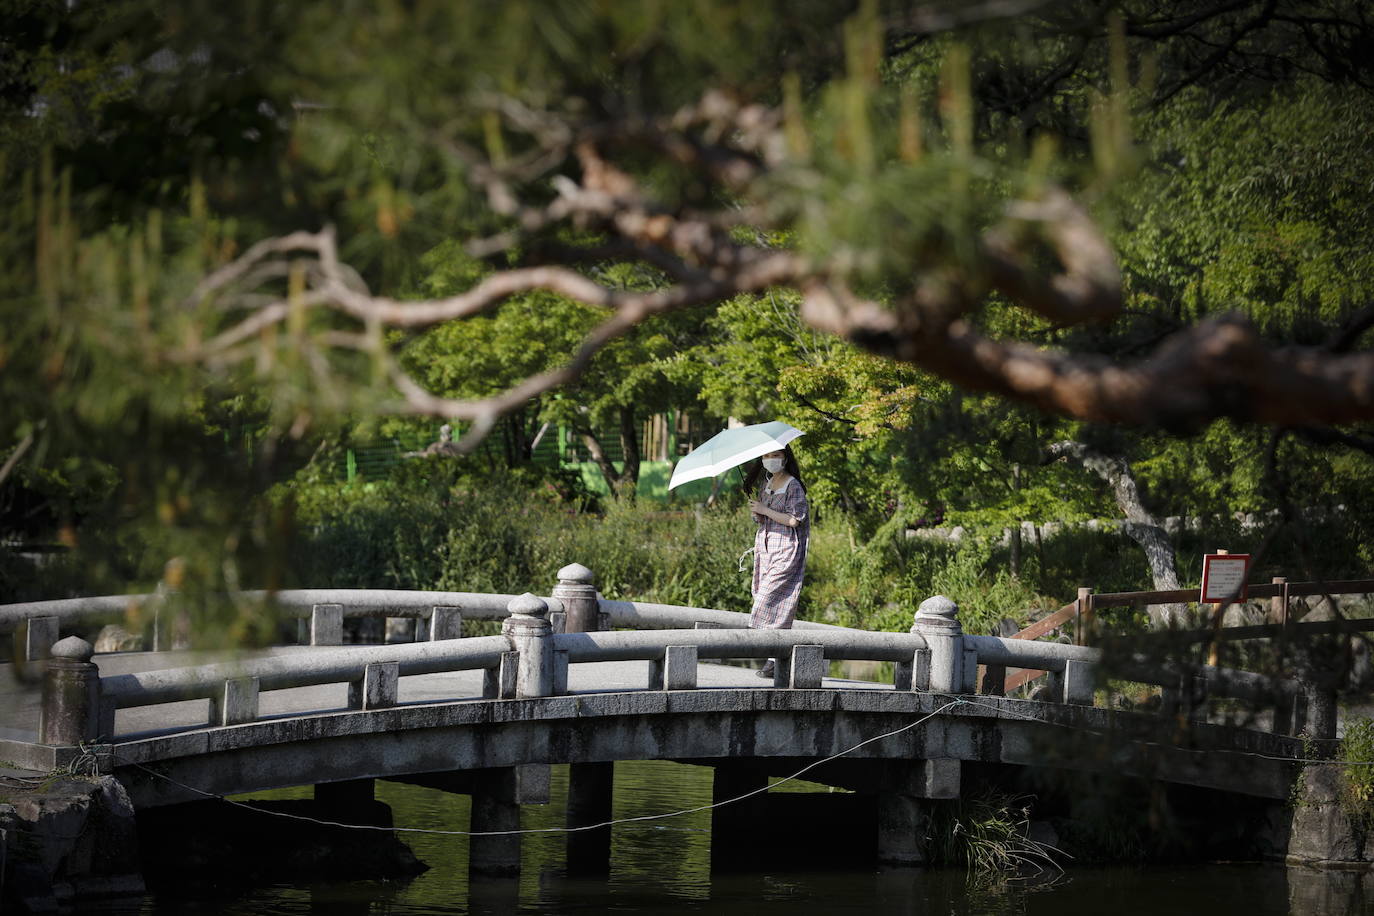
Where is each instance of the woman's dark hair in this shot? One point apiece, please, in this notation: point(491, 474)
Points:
point(789, 464)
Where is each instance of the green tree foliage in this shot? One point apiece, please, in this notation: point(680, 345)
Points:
point(887, 223)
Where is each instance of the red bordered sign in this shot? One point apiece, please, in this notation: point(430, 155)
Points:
point(1223, 577)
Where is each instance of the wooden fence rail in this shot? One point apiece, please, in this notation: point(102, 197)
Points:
point(1081, 612)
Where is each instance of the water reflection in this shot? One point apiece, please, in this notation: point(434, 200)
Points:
point(666, 865)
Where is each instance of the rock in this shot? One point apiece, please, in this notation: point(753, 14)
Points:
point(1244, 614)
point(1319, 609)
point(114, 638)
point(71, 839)
point(400, 629)
point(1322, 833)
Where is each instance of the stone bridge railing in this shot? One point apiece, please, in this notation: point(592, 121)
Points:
point(574, 605)
point(531, 659)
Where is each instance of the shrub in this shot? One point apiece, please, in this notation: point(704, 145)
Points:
point(1357, 782)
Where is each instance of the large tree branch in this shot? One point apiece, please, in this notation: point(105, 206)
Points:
point(1219, 368)
point(1088, 287)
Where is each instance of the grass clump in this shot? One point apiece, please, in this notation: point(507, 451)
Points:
point(1357, 782)
point(988, 833)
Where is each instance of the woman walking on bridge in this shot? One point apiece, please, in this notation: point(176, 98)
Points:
point(781, 513)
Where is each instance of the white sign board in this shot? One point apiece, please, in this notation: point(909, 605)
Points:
point(1223, 577)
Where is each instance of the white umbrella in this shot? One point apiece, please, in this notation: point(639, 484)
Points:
point(730, 448)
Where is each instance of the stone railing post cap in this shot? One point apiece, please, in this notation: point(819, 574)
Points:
point(938, 606)
point(73, 648)
point(575, 573)
point(528, 605)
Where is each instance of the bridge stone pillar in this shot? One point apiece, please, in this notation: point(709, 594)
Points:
point(494, 809)
point(70, 713)
point(937, 621)
point(530, 635)
point(578, 595)
point(589, 802)
point(738, 827)
point(903, 822)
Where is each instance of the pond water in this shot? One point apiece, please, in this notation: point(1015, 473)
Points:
point(665, 865)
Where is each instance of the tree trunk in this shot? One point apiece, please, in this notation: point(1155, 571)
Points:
point(515, 439)
point(1014, 545)
point(629, 447)
point(1014, 534)
point(603, 463)
point(1141, 526)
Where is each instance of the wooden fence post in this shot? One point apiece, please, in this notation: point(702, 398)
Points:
point(1083, 617)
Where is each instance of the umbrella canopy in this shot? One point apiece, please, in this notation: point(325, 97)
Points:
point(730, 448)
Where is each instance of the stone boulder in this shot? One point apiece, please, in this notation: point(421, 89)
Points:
point(1322, 833)
point(68, 839)
point(114, 638)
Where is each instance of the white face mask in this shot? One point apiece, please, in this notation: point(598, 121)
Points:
point(772, 465)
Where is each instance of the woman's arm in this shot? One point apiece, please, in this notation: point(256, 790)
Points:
point(796, 505)
point(782, 518)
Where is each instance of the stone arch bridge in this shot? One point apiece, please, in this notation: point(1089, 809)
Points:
point(576, 679)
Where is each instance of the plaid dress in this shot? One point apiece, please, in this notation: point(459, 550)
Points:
point(779, 558)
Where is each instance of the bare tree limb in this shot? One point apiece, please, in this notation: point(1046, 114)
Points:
point(1218, 368)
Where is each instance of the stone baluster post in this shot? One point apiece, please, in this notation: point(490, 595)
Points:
point(578, 595)
point(445, 623)
point(40, 634)
point(71, 695)
point(531, 636)
point(937, 621)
